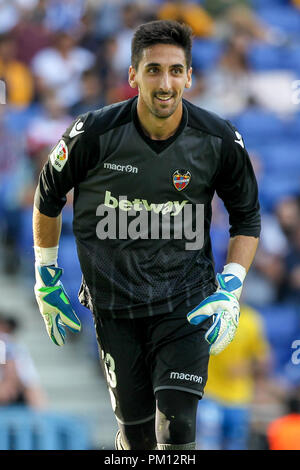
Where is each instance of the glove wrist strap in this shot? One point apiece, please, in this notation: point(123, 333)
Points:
point(236, 269)
point(46, 256)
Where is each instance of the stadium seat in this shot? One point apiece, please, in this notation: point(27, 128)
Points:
point(25, 242)
point(281, 159)
point(285, 18)
point(259, 127)
point(282, 327)
point(24, 429)
point(256, 4)
point(274, 188)
point(68, 259)
point(292, 58)
point(206, 53)
point(263, 56)
point(219, 238)
point(292, 127)
point(67, 220)
point(18, 120)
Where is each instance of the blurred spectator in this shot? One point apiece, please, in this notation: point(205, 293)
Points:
point(9, 15)
point(16, 75)
point(288, 214)
point(218, 8)
point(120, 92)
point(190, 13)
point(47, 128)
point(274, 276)
point(291, 287)
point(15, 178)
point(131, 18)
point(104, 63)
point(18, 378)
point(266, 277)
point(228, 84)
point(108, 19)
point(224, 413)
point(115, 84)
point(265, 283)
point(60, 68)
point(38, 13)
point(284, 432)
point(9, 383)
point(30, 35)
point(267, 405)
point(242, 18)
point(63, 15)
point(198, 88)
point(88, 37)
point(92, 94)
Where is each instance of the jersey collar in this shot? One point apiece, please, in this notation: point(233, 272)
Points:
point(158, 146)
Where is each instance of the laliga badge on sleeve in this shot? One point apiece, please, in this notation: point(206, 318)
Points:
point(59, 155)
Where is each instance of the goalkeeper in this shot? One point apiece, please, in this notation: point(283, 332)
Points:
point(159, 308)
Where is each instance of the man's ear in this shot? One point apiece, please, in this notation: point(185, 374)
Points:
point(132, 77)
point(189, 78)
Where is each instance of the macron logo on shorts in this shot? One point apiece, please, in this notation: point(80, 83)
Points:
point(182, 376)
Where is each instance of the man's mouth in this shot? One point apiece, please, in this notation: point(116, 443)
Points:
point(164, 97)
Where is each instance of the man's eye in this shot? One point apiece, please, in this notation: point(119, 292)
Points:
point(177, 71)
point(153, 69)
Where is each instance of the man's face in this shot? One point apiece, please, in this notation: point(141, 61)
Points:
point(161, 78)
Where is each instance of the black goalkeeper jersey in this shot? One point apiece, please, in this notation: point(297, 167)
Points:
point(142, 208)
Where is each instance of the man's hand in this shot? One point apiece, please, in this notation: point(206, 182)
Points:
point(224, 307)
point(54, 303)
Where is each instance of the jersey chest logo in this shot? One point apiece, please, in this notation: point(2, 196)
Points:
point(181, 179)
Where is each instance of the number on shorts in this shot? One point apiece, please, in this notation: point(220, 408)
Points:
point(110, 370)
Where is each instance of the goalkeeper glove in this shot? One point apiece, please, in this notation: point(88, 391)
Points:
point(54, 303)
point(223, 306)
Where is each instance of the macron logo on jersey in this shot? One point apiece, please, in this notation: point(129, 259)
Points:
point(124, 168)
point(76, 129)
point(239, 139)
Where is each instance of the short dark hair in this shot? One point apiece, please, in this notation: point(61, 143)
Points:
point(161, 32)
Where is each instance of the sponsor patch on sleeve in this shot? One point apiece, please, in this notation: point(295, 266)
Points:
point(59, 155)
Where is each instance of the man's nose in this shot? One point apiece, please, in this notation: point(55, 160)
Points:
point(165, 82)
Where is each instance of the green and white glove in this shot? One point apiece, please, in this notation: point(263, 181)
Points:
point(223, 306)
point(53, 301)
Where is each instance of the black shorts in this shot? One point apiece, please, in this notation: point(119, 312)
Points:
point(141, 356)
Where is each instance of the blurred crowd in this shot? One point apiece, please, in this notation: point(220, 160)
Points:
point(62, 58)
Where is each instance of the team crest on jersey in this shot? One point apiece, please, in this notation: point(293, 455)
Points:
point(181, 179)
point(59, 155)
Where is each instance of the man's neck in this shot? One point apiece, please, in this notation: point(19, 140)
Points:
point(157, 128)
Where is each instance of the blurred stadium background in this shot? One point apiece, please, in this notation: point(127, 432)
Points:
point(60, 58)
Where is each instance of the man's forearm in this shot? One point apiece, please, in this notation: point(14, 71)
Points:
point(46, 230)
point(241, 250)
